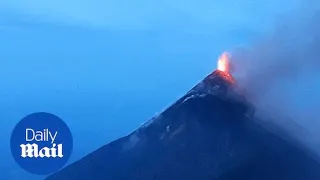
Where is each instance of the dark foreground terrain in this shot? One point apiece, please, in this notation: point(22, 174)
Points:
point(209, 134)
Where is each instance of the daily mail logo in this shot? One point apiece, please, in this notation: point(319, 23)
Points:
point(32, 150)
point(41, 143)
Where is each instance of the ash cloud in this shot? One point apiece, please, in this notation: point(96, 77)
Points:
point(280, 73)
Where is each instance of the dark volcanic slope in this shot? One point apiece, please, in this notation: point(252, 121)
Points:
point(206, 135)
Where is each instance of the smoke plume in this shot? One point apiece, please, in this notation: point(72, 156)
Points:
point(280, 73)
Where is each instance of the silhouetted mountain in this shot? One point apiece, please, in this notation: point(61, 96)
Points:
point(208, 134)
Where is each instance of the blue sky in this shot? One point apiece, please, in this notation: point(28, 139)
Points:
point(105, 67)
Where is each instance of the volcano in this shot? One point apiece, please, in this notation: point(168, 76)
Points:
point(208, 134)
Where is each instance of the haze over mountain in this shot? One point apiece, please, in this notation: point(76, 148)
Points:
point(281, 71)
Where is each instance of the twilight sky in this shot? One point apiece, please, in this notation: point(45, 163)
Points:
point(105, 67)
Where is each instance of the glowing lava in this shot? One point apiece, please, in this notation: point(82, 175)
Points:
point(224, 68)
point(224, 63)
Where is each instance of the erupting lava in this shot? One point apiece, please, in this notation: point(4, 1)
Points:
point(224, 67)
point(223, 63)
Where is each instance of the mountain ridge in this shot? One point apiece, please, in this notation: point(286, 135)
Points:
point(207, 134)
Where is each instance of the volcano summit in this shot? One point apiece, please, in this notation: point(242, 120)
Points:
point(208, 134)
